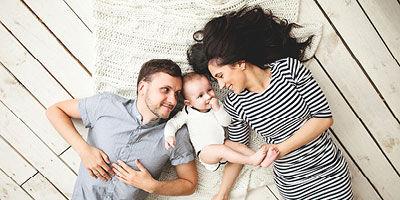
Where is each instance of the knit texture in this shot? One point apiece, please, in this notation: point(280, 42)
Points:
point(130, 32)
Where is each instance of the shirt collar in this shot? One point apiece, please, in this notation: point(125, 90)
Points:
point(139, 118)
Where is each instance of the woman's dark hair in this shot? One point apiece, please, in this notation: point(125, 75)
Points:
point(153, 66)
point(250, 34)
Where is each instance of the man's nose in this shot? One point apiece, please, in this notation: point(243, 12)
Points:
point(173, 99)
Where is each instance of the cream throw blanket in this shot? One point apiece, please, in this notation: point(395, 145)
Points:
point(129, 33)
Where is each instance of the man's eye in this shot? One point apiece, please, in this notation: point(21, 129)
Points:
point(165, 89)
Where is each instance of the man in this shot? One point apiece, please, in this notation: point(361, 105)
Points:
point(128, 135)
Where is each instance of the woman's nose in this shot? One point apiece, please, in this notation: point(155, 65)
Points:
point(221, 84)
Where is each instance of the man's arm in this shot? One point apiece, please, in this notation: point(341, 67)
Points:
point(94, 159)
point(185, 184)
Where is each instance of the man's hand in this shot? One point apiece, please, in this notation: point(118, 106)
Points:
point(214, 104)
point(141, 179)
point(170, 142)
point(96, 162)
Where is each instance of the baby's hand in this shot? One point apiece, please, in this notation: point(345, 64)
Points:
point(214, 104)
point(170, 142)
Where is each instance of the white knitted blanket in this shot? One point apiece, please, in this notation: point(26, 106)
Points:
point(131, 32)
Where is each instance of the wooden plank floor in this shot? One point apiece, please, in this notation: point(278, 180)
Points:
point(47, 55)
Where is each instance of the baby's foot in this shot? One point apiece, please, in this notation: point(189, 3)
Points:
point(271, 156)
point(258, 157)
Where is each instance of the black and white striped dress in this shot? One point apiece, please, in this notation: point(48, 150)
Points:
point(314, 171)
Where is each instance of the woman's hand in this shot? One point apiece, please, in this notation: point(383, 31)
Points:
point(95, 161)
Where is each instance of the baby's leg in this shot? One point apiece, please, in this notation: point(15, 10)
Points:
point(271, 156)
point(213, 153)
point(239, 147)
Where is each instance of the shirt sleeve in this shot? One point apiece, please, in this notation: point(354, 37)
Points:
point(309, 90)
point(238, 130)
point(89, 109)
point(175, 123)
point(223, 118)
point(183, 151)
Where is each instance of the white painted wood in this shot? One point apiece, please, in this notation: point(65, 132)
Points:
point(17, 99)
point(13, 164)
point(33, 149)
point(71, 32)
point(10, 190)
point(45, 47)
point(29, 71)
point(70, 156)
point(357, 141)
point(40, 188)
point(368, 48)
point(84, 9)
point(354, 85)
point(385, 16)
point(362, 189)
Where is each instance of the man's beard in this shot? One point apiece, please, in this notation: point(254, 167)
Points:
point(154, 108)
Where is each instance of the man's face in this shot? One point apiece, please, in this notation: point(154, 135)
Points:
point(161, 93)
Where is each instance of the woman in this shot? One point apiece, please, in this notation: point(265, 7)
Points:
point(251, 53)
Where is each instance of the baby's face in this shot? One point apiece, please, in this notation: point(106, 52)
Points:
point(198, 93)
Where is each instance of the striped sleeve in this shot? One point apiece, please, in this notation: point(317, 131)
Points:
point(309, 89)
point(238, 130)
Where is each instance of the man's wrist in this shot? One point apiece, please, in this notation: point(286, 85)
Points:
point(81, 147)
point(153, 186)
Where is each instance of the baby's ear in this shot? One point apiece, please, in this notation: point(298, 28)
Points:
point(187, 102)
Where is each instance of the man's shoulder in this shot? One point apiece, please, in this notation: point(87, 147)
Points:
point(183, 132)
point(112, 97)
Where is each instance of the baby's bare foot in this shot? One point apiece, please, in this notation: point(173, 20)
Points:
point(259, 156)
point(271, 156)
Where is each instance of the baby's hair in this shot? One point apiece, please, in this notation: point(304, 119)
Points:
point(189, 77)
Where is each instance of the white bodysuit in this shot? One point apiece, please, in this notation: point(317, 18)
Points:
point(204, 128)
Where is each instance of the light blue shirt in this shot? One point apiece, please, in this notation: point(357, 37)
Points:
point(115, 127)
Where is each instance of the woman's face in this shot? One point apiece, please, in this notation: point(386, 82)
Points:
point(230, 77)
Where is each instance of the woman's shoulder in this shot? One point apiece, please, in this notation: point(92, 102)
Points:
point(288, 61)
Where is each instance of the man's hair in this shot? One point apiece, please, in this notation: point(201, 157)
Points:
point(153, 66)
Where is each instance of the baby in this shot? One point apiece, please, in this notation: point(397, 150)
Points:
point(205, 118)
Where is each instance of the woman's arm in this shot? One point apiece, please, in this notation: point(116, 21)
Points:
point(231, 172)
point(313, 128)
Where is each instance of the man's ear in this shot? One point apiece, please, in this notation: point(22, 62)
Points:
point(187, 102)
point(141, 86)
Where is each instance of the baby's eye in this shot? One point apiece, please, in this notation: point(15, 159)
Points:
point(200, 96)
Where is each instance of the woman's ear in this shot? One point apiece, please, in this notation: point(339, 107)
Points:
point(242, 64)
point(187, 102)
